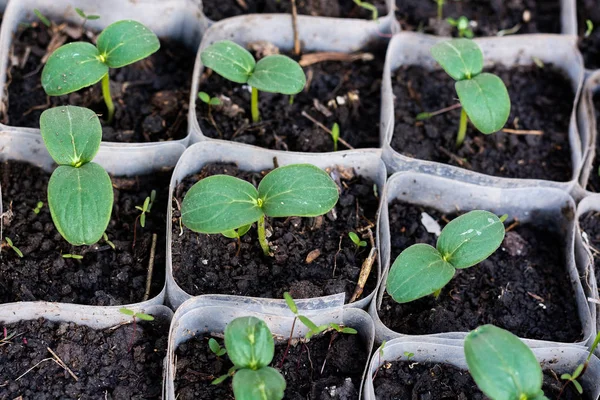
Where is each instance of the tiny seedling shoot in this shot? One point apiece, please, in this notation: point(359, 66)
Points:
point(356, 240)
point(483, 96)
point(369, 7)
point(80, 64)
point(275, 73)
point(462, 25)
point(135, 316)
point(9, 244)
point(80, 193)
point(335, 135)
point(502, 366)
point(440, 9)
point(85, 16)
point(579, 371)
point(421, 269)
point(221, 203)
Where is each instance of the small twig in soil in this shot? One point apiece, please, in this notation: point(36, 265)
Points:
point(32, 368)
point(150, 267)
point(38, 107)
point(512, 226)
point(522, 132)
point(295, 28)
point(313, 58)
point(365, 270)
point(62, 364)
point(326, 129)
point(456, 158)
point(336, 254)
point(443, 110)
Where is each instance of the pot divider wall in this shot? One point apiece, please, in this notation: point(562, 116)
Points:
point(535, 205)
point(408, 48)
point(365, 162)
point(561, 359)
point(197, 317)
point(588, 123)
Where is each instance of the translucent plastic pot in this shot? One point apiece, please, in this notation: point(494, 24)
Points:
point(587, 125)
point(409, 48)
point(539, 206)
point(365, 162)
point(196, 317)
point(561, 359)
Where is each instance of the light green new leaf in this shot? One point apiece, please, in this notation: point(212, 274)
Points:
point(72, 67)
point(485, 100)
point(72, 134)
point(249, 343)
point(470, 238)
point(417, 272)
point(265, 384)
point(125, 42)
point(503, 367)
point(219, 204)
point(80, 201)
point(230, 60)
point(301, 190)
point(460, 58)
point(278, 74)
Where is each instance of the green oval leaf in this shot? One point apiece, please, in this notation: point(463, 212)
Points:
point(300, 190)
point(72, 67)
point(220, 203)
point(460, 58)
point(125, 42)
point(503, 367)
point(265, 384)
point(249, 343)
point(470, 238)
point(80, 201)
point(486, 101)
point(72, 134)
point(278, 74)
point(230, 60)
point(417, 272)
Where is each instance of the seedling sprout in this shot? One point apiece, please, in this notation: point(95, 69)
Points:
point(10, 244)
point(369, 7)
point(580, 370)
point(38, 207)
point(335, 135)
point(42, 17)
point(440, 9)
point(216, 348)
point(86, 17)
point(135, 316)
point(462, 25)
point(589, 27)
point(356, 240)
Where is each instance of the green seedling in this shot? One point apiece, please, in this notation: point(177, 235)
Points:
point(421, 269)
point(502, 366)
point(275, 73)
point(250, 347)
point(380, 355)
point(356, 240)
point(80, 193)
point(221, 203)
point(10, 244)
point(108, 242)
point(216, 348)
point(335, 135)
point(146, 208)
point(42, 18)
point(408, 355)
point(589, 27)
point(580, 370)
point(440, 9)
point(86, 17)
point(462, 25)
point(135, 316)
point(38, 207)
point(80, 64)
point(483, 96)
point(211, 101)
point(369, 7)
point(73, 256)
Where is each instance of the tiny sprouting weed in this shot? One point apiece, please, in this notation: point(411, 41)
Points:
point(343, 329)
point(589, 27)
point(38, 207)
point(335, 135)
point(86, 17)
point(42, 18)
point(73, 256)
point(216, 348)
point(146, 208)
point(440, 9)
point(580, 370)
point(108, 242)
point(10, 244)
point(462, 24)
point(408, 355)
point(134, 315)
point(369, 7)
point(211, 101)
point(356, 240)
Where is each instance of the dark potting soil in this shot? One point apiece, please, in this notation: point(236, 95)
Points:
point(104, 276)
point(109, 364)
point(589, 46)
point(541, 99)
point(590, 224)
point(209, 264)
point(412, 380)
point(347, 93)
point(197, 366)
point(593, 183)
point(218, 10)
point(151, 96)
point(523, 287)
point(490, 16)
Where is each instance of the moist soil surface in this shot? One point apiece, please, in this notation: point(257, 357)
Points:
point(104, 276)
point(523, 287)
point(346, 93)
point(590, 224)
point(541, 100)
point(197, 366)
point(220, 9)
point(411, 380)
point(209, 264)
point(589, 46)
point(593, 183)
point(488, 16)
point(109, 364)
point(151, 96)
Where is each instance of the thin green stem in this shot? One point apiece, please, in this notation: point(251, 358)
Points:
point(369, 7)
point(462, 128)
point(440, 12)
point(107, 98)
point(262, 237)
point(254, 105)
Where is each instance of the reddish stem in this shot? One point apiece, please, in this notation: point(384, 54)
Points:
point(288, 344)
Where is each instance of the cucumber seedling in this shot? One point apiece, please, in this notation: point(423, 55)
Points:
point(80, 193)
point(222, 203)
point(421, 269)
point(483, 95)
point(80, 64)
point(274, 73)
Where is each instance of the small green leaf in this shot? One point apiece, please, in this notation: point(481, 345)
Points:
point(143, 220)
point(460, 58)
point(470, 238)
point(214, 346)
point(290, 302)
point(423, 116)
point(71, 134)
point(301, 190)
point(214, 101)
point(278, 74)
point(80, 12)
point(242, 230)
point(73, 256)
point(565, 376)
point(349, 331)
point(231, 234)
point(146, 204)
point(578, 387)
point(126, 311)
point(485, 100)
point(418, 271)
point(230, 60)
point(578, 371)
point(42, 18)
point(72, 67)
point(9, 241)
point(249, 343)
point(308, 323)
point(354, 237)
point(204, 97)
point(144, 317)
point(503, 367)
point(265, 384)
point(220, 203)
point(125, 42)
point(335, 132)
point(93, 17)
point(219, 380)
